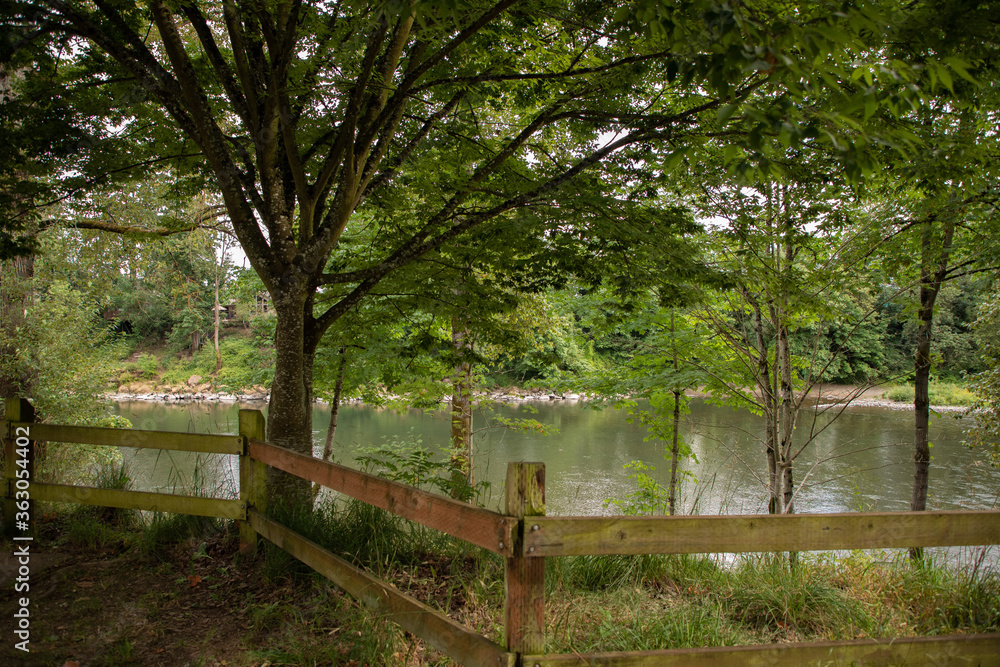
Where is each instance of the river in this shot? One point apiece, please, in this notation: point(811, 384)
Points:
point(861, 462)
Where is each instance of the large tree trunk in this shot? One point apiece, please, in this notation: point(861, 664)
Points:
point(933, 271)
point(289, 419)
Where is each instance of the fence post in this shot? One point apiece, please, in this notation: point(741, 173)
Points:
point(524, 603)
point(17, 446)
point(253, 475)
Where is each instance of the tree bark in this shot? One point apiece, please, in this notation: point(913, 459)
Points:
point(767, 399)
point(675, 443)
point(461, 410)
point(933, 272)
point(331, 431)
point(218, 355)
point(675, 448)
point(289, 422)
point(786, 423)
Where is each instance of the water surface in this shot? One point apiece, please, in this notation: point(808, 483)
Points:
point(861, 462)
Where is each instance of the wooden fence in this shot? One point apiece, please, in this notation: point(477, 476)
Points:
point(524, 536)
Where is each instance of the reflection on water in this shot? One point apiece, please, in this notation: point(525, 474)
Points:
point(861, 461)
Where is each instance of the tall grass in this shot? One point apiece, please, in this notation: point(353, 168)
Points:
point(617, 603)
point(100, 527)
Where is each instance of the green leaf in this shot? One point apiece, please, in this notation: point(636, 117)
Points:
point(945, 76)
point(726, 111)
point(960, 68)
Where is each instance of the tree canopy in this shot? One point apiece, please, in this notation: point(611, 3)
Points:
point(351, 142)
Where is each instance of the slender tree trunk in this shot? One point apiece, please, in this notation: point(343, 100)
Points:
point(934, 269)
point(675, 444)
point(461, 408)
point(786, 425)
point(218, 355)
point(331, 431)
point(675, 448)
point(767, 398)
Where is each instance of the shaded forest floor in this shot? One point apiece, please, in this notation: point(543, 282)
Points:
point(195, 602)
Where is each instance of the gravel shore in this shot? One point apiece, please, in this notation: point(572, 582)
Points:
point(828, 394)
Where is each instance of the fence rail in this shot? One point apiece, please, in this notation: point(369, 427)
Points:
point(525, 536)
point(573, 536)
point(221, 508)
point(473, 524)
point(980, 650)
point(126, 437)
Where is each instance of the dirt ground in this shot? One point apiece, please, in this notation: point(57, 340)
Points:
point(104, 606)
point(198, 602)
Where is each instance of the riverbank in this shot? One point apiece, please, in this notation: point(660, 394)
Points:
point(831, 395)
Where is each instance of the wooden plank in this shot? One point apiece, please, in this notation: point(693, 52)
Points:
point(524, 578)
point(140, 500)
point(253, 476)
point(20, 414)
point(127, 437)
point(982, 650)
point(570, 536)
point(473, 524)
point(437, 629)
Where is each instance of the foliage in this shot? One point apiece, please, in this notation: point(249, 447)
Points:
point(68, 353)
point(406, 460)
point(986, 384)
point(248, 361)
point(649, 497)
point(145, 366)
point(941, 393)
point(954, 348)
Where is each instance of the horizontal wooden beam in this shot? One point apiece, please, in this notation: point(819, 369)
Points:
point(140, 500)
point(473, 524)
point(127, 437)
point(573, 536)
point(982, 650)
point(437, 629)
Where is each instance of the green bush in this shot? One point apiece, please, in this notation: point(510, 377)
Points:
point(940, 393)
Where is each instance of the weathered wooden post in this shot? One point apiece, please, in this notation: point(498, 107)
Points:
point(19, 469)
point(253, 475)
point(524, 604)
